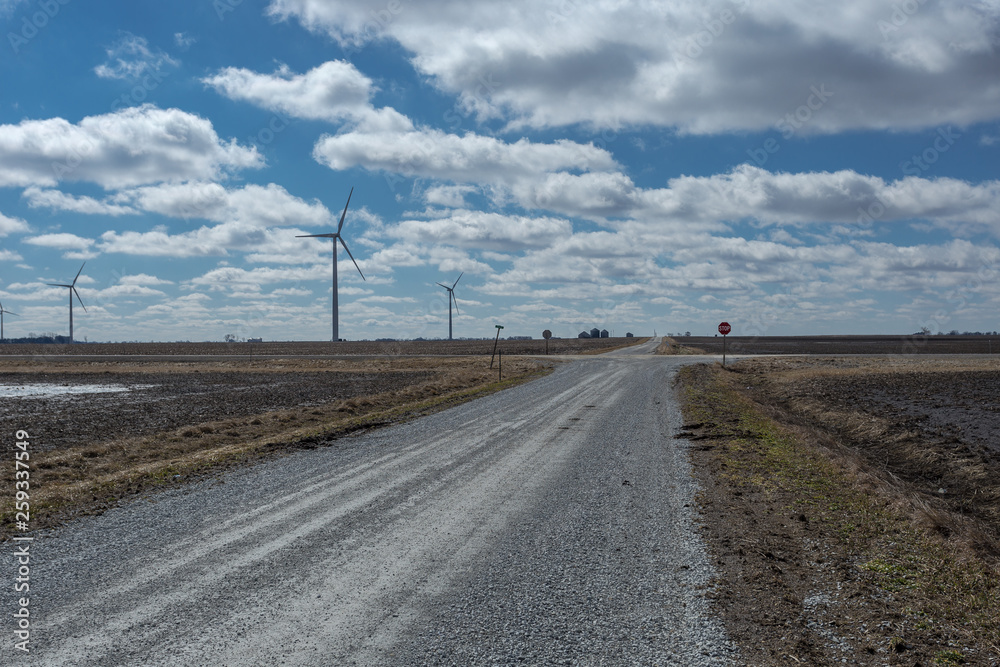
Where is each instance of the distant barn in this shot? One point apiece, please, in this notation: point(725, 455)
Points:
point(584, 334)
point(629, 335)
point(595, 333)
point(604, 333)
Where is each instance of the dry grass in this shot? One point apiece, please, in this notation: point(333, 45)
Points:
point(615, 344)
point(922, 558)
point(807, 391)
point(88, 479)
point(671, 346)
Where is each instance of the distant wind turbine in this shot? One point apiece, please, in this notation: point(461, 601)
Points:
point(2, 313)
point(72, 290)
point(451, 297)
point(337, 237)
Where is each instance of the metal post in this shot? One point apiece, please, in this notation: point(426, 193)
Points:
point(495, 343)
point(723, 351)
point(500, 367)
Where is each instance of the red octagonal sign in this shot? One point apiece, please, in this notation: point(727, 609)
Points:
point(724, 328)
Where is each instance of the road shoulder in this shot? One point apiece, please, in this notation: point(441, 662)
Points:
point(817, 561)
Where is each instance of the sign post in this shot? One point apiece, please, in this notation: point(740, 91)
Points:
point(724, 329)
point(495, 345)
point(546, 335)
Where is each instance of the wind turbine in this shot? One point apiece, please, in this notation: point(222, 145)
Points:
point(2, 313)
point(451, 297)
point(72, 289)
point(337, 237)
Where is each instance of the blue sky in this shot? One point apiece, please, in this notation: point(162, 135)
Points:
point(790, 167)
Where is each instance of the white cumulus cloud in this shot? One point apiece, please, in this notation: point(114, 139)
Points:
point(135, 146)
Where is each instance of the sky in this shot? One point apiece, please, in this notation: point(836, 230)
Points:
point(791, 167)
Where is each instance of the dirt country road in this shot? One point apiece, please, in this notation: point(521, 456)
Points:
point(547, 524)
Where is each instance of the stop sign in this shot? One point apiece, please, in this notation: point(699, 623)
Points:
point(724, 328)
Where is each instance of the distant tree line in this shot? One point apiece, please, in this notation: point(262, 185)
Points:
point(954, 332)
point(34, 339)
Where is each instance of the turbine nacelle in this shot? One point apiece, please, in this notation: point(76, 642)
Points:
point(337, 237)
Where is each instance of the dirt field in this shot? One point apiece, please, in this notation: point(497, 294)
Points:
point(106, 430)
point(825, 345)
point(352, 348)
point(172, 396)
point(852, 506)
point(930, 422)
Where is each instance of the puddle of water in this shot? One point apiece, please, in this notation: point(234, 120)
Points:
point(52, 390)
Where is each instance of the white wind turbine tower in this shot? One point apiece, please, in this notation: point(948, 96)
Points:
point(2, 313)
point(451, 297)
point(72, 289)
point(337, 237)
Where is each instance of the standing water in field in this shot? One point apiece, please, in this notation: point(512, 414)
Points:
point(53, 390)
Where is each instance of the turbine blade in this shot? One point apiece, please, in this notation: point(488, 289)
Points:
point(455, 299)
point(457, 279)
point(444, 286)
point(344, 214)
point(78, 298)
point(57, 285)
point(79, 272)
point(315, 236)
point(352, 258)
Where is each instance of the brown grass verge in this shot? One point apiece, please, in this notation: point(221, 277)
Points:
point(795, 516)
point(89, 479)
point(671, 346)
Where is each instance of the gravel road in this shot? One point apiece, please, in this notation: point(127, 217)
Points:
point(547, 524)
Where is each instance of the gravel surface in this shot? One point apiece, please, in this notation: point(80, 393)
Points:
point(547, 524)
